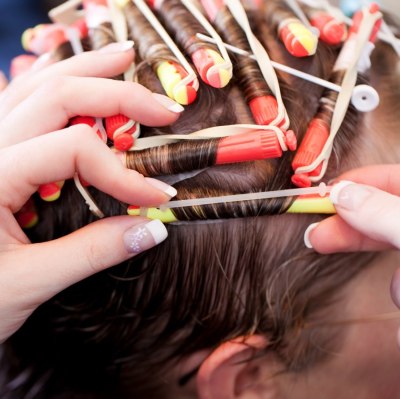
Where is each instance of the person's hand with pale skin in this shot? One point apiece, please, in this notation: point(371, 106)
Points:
point(367, 201)
point(36, 148)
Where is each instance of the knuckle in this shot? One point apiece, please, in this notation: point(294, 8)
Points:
point(55, 85)
point(96, 258)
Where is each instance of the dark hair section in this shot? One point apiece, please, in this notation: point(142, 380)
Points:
point(118, 333)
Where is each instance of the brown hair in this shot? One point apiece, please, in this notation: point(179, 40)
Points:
point(116, 334)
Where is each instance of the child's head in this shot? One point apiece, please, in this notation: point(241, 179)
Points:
point(237, 304)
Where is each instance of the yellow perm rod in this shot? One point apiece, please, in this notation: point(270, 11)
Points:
point(310, 200)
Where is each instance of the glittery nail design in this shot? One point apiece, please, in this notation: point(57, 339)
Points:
point(144, 236)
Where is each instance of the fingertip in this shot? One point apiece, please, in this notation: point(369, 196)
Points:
point(395, 289)
point(144, 236)
point(168, 190)
point(168, 103)
point(307, 234)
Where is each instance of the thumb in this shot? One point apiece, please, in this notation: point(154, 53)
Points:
point(57, 264)
point(373, 212)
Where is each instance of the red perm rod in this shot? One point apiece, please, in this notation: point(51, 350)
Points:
point(119, 128)
point(332, 31)
point(206, 58)
point(262, 102)
point(253, 146)
point(152, 49)
point(296, 37)
point(183, 156)
point(319, 128)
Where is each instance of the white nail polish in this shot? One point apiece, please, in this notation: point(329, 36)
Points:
point(164, 187)
point(43, 60)
point(120, 47)
point(144, 236)
point(309, 229)
point(336, 189)
point(168, 103)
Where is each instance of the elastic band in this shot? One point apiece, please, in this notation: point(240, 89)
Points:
point(344, 96)
point(385, 33)
point(263, 60)
point(294, 6)
point(88, 198)
point(154, 22)
point(321, 190)
point(204, 134)
point(213, 33)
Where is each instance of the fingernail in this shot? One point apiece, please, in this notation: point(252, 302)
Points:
point(120, 47)
point(309, 229)
point(349, 195)
point(43, 60)
point(168, 103)
point(395, 288)
point(144, 236)
point(164, 187)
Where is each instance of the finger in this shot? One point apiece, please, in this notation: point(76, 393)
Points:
point(373, 213)
point(3, 81)
point(55, 265)
point(384, 177)
point(395, 288)
point(50, 107)
point(93, 63)
point(335, 235)
point(58, 156)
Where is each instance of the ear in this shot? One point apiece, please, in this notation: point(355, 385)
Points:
point(233, 372)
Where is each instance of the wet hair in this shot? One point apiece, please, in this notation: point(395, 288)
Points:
point(119, 332)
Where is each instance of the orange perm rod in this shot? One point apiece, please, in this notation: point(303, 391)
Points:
point(261, 101)
point(331, 31)
point(319, 128)
point(209, 63)
point(120, 129)
point(296, 37)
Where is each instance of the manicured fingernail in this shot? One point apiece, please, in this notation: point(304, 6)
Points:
point(120, 47)
point(144, 236)
point(309, 229)
point(349, 195)
point(42, 61)
point(164, 187)
point(395, 288)
point(168, 103)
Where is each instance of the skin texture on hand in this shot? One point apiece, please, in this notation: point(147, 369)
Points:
point(36, 148)
point(367, 201)
point(371, 225)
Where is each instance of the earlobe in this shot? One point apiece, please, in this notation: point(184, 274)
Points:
point(233, 371)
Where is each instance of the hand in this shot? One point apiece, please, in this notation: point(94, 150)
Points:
point(35, 148)
point(368, 215)
point(3, 81)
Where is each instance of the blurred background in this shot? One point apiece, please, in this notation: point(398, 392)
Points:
point(18, 15)
point(15, 17)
